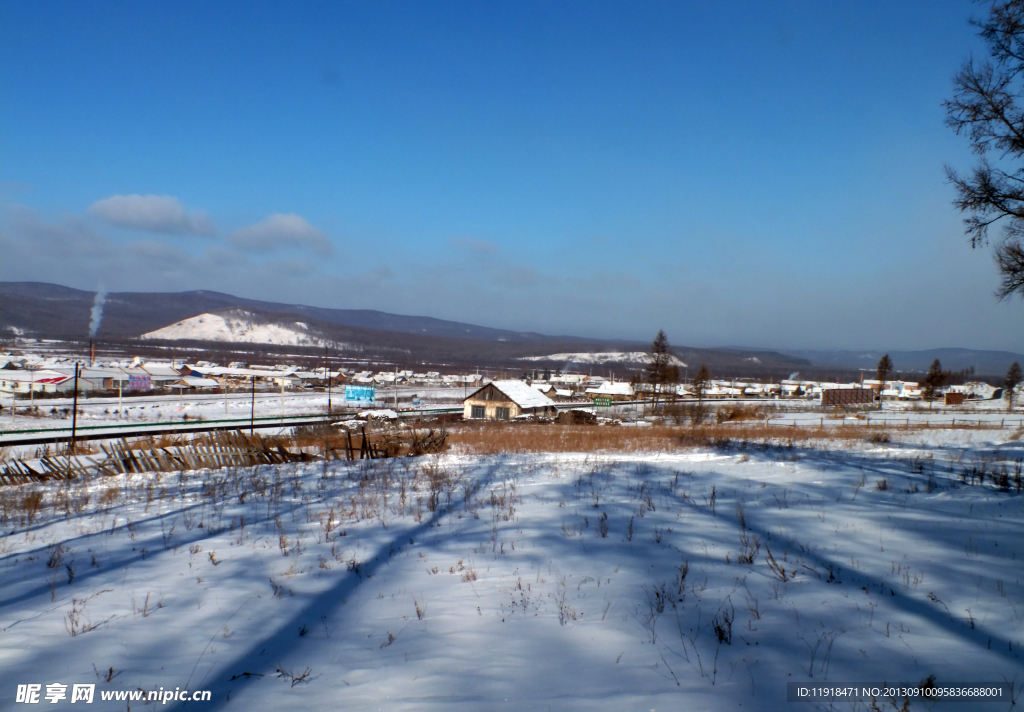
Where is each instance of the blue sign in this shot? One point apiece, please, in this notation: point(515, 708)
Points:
point(360, 393)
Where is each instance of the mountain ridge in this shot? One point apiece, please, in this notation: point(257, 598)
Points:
point(44, 310)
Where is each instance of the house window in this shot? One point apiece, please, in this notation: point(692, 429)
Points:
point(501, 413)
point(478, 411)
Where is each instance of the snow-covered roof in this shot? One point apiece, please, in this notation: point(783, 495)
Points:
point(612, 389)
point(523, 395)
point(196, 382)
point(229, 371)
point(160, 370)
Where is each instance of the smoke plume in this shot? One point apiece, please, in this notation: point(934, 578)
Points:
point(96, 314)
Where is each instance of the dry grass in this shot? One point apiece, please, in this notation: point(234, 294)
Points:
point(739, 411)
point(492, 439)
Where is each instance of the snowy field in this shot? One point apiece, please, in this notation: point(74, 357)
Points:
point(109, 410)
point(698, 580)
point(56, 412)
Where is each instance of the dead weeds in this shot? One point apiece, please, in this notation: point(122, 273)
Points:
point(497, 438)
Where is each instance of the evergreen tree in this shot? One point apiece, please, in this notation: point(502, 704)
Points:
point(884, 370)
point(933, 380)
point(988, 108)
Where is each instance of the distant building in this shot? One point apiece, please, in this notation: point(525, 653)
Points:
point(42, 381)
point(843, 396)
point(616, 391)
point(504, 400)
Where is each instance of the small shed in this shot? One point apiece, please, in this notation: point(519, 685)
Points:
point(197, 383)
point(504, 400)
point(577, 416)
point(847, 396)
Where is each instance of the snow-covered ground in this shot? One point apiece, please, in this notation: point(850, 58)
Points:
point(56, 412)
point(702, 579)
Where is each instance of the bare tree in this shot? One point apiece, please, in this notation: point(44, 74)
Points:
point(933, 380)
point(883, 370)
point(1013, 377)
point(658, 369)
point(988, 108)
point(672, 378)
point(701, 381)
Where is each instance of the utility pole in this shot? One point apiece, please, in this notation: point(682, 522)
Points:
point(74, 413)
point(396, 386)
point(327, 364)
point(252, 413)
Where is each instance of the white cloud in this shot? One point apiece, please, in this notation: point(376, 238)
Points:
point(152, 213)
point(281, 230)
point(69, 252)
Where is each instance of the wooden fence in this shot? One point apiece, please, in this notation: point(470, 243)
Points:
point(216, 450)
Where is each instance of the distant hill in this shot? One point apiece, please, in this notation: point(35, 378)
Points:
point(39, 310)
point(54, 311)
point(991, 363)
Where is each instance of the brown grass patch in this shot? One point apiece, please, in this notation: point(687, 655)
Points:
point(738, 412)
point(497, 438)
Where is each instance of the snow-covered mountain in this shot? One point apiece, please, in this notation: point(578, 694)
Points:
point(641, 357)
point(238, 326)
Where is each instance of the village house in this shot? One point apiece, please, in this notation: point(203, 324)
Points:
point(237, 376)
point(41, 381)
point(504, 400)
point(616, 391)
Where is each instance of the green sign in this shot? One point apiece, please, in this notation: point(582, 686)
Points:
point(602, 401)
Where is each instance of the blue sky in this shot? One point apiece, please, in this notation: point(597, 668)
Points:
point(760, 174)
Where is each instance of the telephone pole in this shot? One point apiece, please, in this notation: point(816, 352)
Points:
point(74, 413)
point(327, 365)
point(252, 413)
